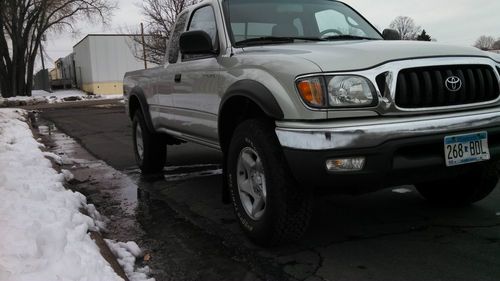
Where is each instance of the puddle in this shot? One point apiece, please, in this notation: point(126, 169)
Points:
point(86, 168)
point(181, 173)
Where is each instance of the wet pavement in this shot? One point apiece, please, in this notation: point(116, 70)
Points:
point(178, 217)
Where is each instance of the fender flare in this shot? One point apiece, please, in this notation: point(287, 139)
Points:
point(257, 93)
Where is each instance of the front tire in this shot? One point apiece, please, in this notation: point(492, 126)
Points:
point(271, 207)
point(470, 187)
point(150, 149)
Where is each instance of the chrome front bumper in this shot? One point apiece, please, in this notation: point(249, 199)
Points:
point(367, 133)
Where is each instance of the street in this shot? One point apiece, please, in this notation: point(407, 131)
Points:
point(191, 235)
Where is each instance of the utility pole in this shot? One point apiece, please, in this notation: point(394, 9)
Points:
point(144, 47)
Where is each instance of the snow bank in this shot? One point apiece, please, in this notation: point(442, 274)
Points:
point(43, 234)
point(43, 97)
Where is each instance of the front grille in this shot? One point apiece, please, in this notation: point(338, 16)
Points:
point(427, 87)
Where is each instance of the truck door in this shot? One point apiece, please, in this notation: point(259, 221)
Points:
point(196, 84)
point(167, 87)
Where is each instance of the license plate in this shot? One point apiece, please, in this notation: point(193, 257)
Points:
point(464, 149)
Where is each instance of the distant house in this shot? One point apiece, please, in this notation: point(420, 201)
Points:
point(101, 61)
point(53, 74)
point(63, 75)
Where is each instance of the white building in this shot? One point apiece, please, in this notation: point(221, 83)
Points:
point(101, 61)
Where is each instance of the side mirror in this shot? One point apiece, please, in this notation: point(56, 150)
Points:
point(196, 42)
point(391, 34)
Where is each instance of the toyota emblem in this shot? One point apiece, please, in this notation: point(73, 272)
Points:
point(453, 84)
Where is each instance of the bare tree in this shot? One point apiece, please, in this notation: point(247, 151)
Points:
point(160, 19)
point(23, 23)
point(484, 42)
point(496, 45)
point(406, 27)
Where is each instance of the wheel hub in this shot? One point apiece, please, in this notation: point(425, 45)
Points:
point(139, 143)
point(251, 183)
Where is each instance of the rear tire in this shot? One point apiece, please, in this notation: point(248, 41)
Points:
point(150, 149)
point(470, 187)
point(258, 176)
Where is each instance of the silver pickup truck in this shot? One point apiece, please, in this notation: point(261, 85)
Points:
point(304, 97)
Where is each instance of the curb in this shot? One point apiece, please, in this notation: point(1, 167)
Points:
point(69, 104)
point(108, 255)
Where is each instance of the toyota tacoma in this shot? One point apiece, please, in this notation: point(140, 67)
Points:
point(304, 97)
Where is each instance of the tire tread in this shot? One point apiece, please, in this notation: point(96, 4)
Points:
point(155, 147)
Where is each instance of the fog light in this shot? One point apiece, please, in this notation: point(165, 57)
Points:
point(346, 164)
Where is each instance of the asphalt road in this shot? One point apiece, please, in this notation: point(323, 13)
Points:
point(386, 235)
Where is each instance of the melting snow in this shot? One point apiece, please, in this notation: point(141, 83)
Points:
point(127, 254)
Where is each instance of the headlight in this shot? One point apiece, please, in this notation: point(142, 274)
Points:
point(337, 91)
point(350, 91)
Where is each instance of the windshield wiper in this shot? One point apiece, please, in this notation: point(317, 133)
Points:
point(275, 39)
point(347, 37)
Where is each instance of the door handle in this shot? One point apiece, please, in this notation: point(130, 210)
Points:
point(178, 78)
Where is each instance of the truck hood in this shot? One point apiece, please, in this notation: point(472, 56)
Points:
point(357, 55)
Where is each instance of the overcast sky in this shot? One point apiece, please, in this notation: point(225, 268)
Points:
point(458, 22)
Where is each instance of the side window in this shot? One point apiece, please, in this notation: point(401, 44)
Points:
point(173, 49)
point(204, 19)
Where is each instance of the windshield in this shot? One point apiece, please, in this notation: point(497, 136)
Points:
point(251, 20)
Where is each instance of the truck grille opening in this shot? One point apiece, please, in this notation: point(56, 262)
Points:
point(438, 86)
point(381, 83)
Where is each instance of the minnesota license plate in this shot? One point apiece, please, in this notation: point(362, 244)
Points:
point(464, 149)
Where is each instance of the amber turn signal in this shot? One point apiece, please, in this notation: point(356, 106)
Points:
point(312, 91)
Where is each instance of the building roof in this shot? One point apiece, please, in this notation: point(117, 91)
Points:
point(108, 35)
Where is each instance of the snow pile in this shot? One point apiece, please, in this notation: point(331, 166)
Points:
point(43, 97)
point(60, 94)
point(126, 254)
point(402, 190)
point(43, 234)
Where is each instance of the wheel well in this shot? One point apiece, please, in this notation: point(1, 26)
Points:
point(133, 106)
point(234, 111)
